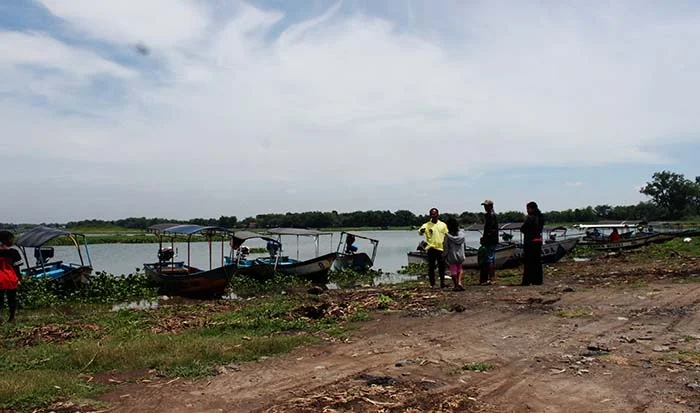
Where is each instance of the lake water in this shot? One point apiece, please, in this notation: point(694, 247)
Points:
point(127, 258)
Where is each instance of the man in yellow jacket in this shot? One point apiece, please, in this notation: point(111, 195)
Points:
point(434, 232)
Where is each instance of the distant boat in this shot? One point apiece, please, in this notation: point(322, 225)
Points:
point(73, 274)
point(183, 279)
point(631, 235)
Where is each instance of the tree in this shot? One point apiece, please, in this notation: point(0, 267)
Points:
point(672, 192)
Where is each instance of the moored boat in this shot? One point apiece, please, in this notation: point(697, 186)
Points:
point(315, 269)
point(180, 277)
point(621, 236)
point(504, 253)
point(349, 256)
point(71, 274)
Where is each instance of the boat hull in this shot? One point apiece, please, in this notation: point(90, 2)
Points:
point(357, 262)
point(551, 252)
point(315, 269)
point(182, 280)
point(628, 244)
point(503, 256)
point(66, 274)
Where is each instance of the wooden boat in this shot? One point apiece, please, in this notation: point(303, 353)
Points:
point(631, 236)
point(348, 256)
point(504, 252)
point(72, 274)
point(179, 277)
point(315, 269)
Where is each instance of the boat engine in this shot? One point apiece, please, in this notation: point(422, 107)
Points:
point(165, 254)
point(243, 252)
point(273, 248)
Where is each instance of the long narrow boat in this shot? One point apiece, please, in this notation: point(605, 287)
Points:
point(181, 278)
point(555, 246)
point(631, 236)
point(314, 269)
point(72, 274)
point(504, 253)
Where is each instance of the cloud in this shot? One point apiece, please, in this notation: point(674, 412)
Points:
point(576, 184)
point(253, 98)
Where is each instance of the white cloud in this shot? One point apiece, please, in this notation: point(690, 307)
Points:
point(41, 50)
point(346, 98)
point(576, 184)
point(157, 23)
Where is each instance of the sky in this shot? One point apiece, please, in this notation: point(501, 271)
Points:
point(197, 108)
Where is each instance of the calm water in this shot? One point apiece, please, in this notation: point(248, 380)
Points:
point(127, 258)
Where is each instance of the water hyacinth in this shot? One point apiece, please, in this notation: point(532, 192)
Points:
point(103, 288)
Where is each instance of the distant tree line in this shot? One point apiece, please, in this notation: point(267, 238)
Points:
point(672, 197)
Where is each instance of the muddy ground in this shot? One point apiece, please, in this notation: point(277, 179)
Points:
point(615, 334)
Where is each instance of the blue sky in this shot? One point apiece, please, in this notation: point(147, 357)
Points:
point(241, 108)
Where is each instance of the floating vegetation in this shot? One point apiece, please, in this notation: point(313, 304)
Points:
point(103, 288)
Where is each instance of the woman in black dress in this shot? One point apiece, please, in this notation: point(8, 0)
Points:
point(532, 245)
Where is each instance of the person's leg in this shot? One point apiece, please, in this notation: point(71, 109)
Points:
point(12, 303)
point(460, 272)
point(431, 266)
point(527, 263)
point(492, 263)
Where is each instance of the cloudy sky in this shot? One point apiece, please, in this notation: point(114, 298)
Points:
point(197, 108)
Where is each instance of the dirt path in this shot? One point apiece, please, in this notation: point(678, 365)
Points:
point(598, 348)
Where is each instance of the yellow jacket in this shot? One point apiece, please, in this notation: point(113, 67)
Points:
point(434, 234)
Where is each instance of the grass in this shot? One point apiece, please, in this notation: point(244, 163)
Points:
point(478, 367)
point(675, 247)
point(51, 353)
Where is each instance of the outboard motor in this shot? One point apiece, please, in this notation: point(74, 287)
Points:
point(165, 254)
point(243, 252)
point(273, 247)
point(43, 255)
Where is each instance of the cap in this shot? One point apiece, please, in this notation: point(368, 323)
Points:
point(487, 202)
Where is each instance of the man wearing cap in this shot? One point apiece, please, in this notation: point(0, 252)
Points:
point(490, 239)
point(434, 232)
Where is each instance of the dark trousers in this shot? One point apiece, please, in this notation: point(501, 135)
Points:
point(11, 301)
point(433, 257)
point(483, 272)
point(532, 273)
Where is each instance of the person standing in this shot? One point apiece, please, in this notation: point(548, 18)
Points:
point(532, 245)
point(10, 260)
point(434, 232)
point(490, 236)
point(454, 253)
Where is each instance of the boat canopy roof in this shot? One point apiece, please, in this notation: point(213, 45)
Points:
point(246, 235)
point(186, 229)
point(601, 226)
point(297, 231)
point(38, 236)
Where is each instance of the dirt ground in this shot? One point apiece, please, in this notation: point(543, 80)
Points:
point(609, 335)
